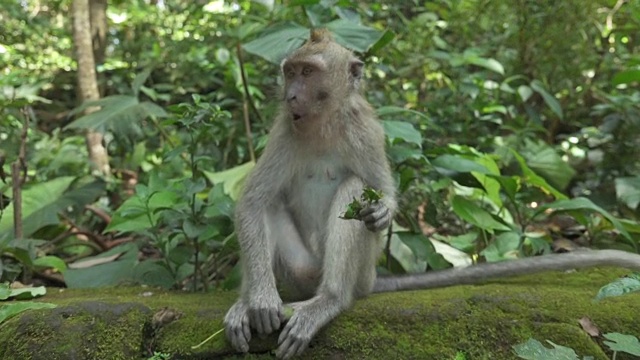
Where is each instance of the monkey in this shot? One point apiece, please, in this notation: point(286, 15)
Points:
point(324, 147)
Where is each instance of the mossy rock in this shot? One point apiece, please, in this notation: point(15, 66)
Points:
point(481, 322)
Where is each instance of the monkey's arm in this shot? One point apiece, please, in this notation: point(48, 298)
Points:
point(261, 195)
point(480, 273)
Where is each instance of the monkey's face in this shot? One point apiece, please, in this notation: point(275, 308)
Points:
point(306, 93)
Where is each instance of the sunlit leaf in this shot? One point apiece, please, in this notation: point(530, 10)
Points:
point(475, 215)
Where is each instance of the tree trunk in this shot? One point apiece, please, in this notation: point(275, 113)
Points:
point(87, 81)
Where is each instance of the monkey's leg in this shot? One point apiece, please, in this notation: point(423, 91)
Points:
point(348, 271)
point(259, 306)
point(297, 270)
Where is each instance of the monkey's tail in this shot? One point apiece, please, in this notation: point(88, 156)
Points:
point(482, 272)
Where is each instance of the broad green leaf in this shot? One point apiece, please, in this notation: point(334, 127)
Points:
point(525, 92)
point(42, 202)
point(136, 215)
point(12, 309)
point(505, 247)
point(475, 215)
point(489, 64)
point(278, 41)
point(354, 36)
point(628, 191)
point(545, 161)
point(423, 249)
point(490, 185)
point(118, 113)
point(231, 179)
point(619, 287)
point(26, 293)
point(50, 261)
point(549, 99)
point(385, 39)
point(536, 180)
point(626, 77)
point(109, 274)
point(154, 273)
point(402, 130)
point(623, 343)
point(458, 164)
point(534, 350)
point(581, 203)
point(391, 111)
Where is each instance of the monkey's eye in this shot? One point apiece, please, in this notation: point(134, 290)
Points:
point(289, 74)
point(307, 70)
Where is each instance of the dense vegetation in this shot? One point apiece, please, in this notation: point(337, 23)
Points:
point(512, 127)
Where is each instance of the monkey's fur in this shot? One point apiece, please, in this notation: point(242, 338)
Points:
point(325, 146)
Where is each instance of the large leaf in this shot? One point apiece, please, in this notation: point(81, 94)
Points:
point(536, 180)
point(623, 343)
point(581, 203)
point(402, 130)
point(105, 274)
point(459, 164)
point(278, 41)
point(549, 99)
point(628, 191)
point(42, 202)
point(231, 179)
point(37, 197)
point(12, 309)
point(118, 113)
point(534, 350)
point(626, 77)
point(353, 35)
point(544, 160)
point(423, 249)
point(136, 215)
point(475, 215)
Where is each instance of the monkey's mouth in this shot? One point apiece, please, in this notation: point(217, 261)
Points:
point(296, 117)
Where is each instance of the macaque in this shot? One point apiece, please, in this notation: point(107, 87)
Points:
point(325, 146)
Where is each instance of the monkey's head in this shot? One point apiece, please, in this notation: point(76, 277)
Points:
point(319, 77)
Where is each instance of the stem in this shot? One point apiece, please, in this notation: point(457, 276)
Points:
point(247, 101)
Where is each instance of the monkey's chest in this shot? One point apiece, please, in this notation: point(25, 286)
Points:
point(311, 193)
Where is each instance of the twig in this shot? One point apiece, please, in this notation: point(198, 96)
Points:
point(247, 101)
point(17, 182)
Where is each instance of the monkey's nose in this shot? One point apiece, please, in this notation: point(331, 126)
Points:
point(290, 98)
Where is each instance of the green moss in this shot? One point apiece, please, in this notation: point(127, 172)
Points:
point(483, 322)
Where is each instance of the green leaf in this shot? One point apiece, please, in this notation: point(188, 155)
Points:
point(403, 131)
point(354, 36)
point(49, 261)
point(28, 292)
point(12, 309)
point(624, 343)
point(154, 273)
point(118, 113)
point(108, 274)
point(135, 215)
point(42, 202)
point(549, 99)
point(628, 191)
point(458, 164)
point(391, 111)
point(545, 161)
point(487, 63)
point(581, 203)
point(423, 249)
point(278, 41)
point(536, 180)
point(619, 287)
point(505, 247)
point(385, 39)
point(626, 77)
point(475, 215)
point(231, 179)
point(534, 350)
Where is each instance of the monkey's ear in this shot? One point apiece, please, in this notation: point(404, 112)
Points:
point(355, 68)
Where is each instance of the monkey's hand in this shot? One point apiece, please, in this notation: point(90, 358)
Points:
point(376, 216)
point(265, 311)
point(236, 327)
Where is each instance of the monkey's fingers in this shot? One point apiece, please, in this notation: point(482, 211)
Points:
point(265, 321)
point(377, 218)
point(289, 344)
